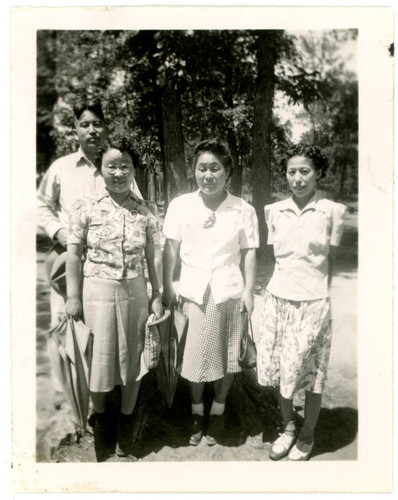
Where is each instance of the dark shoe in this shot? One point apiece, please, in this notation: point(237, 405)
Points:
point(196, 429)
point(215, 429)
point(104, 436)
point(124, 435)
point(91, 420)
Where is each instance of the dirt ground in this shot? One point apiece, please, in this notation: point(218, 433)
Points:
point(336, 433)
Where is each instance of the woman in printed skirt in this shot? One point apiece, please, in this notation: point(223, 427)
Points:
point(114, 230)
point(215, 234)
point(295, 327)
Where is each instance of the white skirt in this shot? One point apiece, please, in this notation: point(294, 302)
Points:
point(116, 312)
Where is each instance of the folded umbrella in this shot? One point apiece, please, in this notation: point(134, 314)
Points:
point(70, 347)
point(172, 331)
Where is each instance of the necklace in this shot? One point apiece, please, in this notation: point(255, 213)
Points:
point(210, 221)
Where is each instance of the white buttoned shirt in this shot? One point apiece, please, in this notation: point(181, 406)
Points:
point(211, 255)
point(301, 240)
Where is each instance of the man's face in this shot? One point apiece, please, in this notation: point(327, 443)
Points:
point(91, 132)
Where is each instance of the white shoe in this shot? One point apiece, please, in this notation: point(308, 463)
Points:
point(281, 446)
point(302, 454)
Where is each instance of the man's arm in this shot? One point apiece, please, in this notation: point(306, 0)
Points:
point(48, 207)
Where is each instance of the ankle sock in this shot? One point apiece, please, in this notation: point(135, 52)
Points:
point(198, 409)
point(290, 428)
point(217, 408)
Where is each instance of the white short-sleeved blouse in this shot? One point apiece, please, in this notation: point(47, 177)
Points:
point(211, 255)
point(301, 241)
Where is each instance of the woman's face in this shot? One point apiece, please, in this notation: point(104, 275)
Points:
point(301, 176)
point(117, 170)
point(210, 174)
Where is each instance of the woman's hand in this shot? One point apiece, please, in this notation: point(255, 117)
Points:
point(156, 305)
point(74, 308)
point(247, 303)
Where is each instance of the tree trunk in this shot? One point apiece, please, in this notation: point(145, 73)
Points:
point(175, 177)
point(342, 179)
point(262, 119)
point(236, 179)
point(46, 98)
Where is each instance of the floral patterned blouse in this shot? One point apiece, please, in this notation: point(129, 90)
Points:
point(114, 236)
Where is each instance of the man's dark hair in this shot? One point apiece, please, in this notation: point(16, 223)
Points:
point(93, 105)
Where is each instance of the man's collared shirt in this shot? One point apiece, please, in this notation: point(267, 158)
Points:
point(114, 236)
point(211, 244)
point(301, 240)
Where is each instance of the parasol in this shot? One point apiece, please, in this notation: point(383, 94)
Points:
point(172, 332)
point(70, 347)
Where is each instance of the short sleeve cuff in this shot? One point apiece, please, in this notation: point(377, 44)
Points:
point(339, 215)
point(74, 240)
point(171, 226)
point(267, 214)
point(53, 227)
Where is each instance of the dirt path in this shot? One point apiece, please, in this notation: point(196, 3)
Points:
point(337, 427)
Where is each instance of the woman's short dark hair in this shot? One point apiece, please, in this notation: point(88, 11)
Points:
point(319, 160)
point(121, 142)
point(218, 148)
point(93, 105)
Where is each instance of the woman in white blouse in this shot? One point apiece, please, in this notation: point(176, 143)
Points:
point(294, 337)
point(215, 234)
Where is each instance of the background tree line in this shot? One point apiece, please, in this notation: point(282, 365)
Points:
point(170, 89)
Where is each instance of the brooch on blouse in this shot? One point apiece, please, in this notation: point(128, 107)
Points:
point(210, 221)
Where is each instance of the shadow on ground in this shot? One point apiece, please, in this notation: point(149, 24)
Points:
point(337, 428)
point(251, 411)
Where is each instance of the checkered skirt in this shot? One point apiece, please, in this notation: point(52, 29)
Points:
point(213, 339)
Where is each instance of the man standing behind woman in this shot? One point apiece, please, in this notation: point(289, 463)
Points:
point(215, 234)
point(71, 177)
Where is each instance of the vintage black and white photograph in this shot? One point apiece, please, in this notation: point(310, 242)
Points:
point(196, 241)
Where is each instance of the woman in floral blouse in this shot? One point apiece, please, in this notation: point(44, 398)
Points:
point(113, 230)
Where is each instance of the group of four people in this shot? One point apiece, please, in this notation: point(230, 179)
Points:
point(108, 229)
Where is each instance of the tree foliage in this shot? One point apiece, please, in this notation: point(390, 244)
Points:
point(172, 88)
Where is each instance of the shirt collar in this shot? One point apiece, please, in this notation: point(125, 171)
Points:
point(289, 204)
point(103, 193)
point(228, 202)
point(83, 160)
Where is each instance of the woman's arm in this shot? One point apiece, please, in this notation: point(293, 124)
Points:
point(73, 280)
point(156, 299)
point(170, 253)
point(249, 271)
point(332, 261)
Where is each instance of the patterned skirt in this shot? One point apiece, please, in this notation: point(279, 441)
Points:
point(213, 339)
point(293, 344)
point(116, 312)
